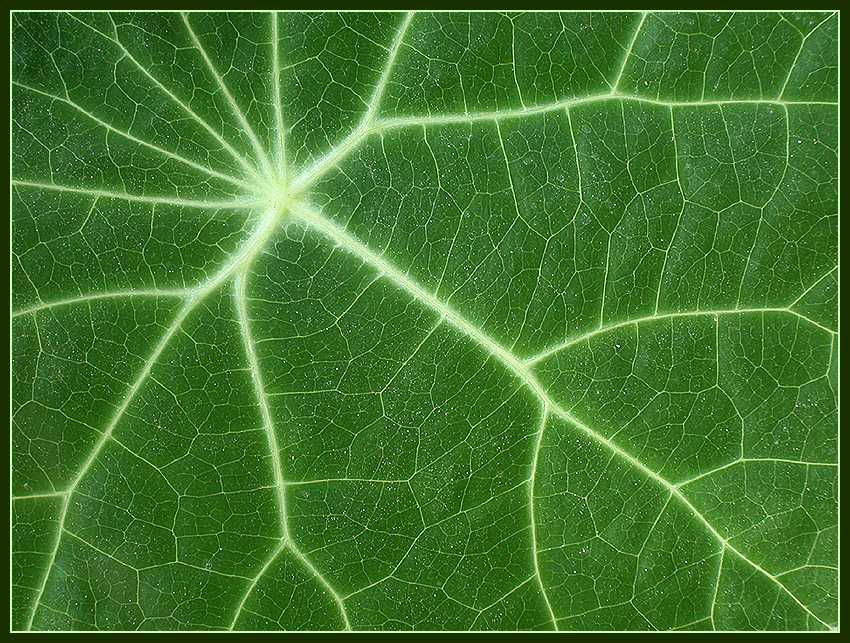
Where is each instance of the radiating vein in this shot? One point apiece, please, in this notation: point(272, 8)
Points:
point(277, 88)
point(601, 330)
point(628, 52)
point(541, 430)
point(472, 117)
point(262, 402)
point(313, 219)
point(197, 166)
point(116, 294)
point(799, 51)
point(813, 286)
point(381, 85)
point(152, 200)
point(356, 136)
point(330, 160)
point(274, 451)
point(728, 465)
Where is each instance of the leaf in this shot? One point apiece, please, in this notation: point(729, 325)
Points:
point(435, 321)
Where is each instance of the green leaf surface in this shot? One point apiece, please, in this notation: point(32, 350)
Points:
point(435, 321)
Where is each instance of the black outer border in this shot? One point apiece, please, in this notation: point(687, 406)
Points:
point(527, 5)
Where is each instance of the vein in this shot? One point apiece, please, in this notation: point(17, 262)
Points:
point(723, 467)
point(471, 117)
point(138, 141)
point(262, 401)
point(334, 594)
point(716, 587)
point(117, 294)
point(812, 287)
point(353, 246)
point(287, 540)
point(628, 53)
point(36, 496)
point(281, 546)
point(152, 200)
point(263, 231)
point(601, 330)
point(262, 157)
point(534, 550)
point(280, 140)
point(381, 85)
point(325, 163)
point(341, 238)
point(679, 218)
point(568, 417)
point(799, 51)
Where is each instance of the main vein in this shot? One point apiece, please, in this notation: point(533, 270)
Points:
point(287, 541)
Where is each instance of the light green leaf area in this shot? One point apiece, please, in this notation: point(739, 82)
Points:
point(437, 321)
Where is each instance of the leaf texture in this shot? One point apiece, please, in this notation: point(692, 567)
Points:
point(425, 321)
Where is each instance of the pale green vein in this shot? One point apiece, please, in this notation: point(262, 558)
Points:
point(277, 88)
point(295, 483)
point(716, 587)
point(129, 396)
point(99, 550)
point(197, 166)
point(265, 228)
point(262, 401)
point(328, 587)
point(151, 200)
point(628, 53)
point(323, 225)
point(118, 294)
point(813, 286)
point(500, 599)
point(472, 117)
point(541, 430)
point(330, 160)
point(274, 450)
point(677, 493)
point(831, 568)
point(381, 85)
point(799, 51)
point(356, 136)
point(583, 337)
point(729, 465)
point(241, 606)
point(36, 496)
